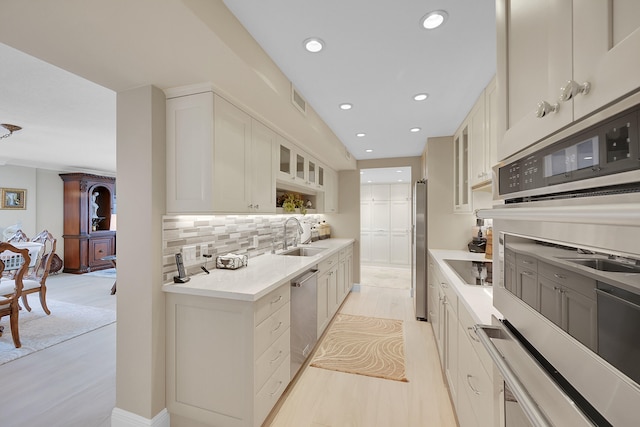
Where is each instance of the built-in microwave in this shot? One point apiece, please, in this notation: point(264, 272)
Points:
point(602, 156)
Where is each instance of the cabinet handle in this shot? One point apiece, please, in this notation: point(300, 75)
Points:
point(470, 386)
point(524, 261)
point(257, 206)
point(277, 388)
point(277, 299)
point(444, 285)
point(277, 357)
point(572, 89)
point(544, 108)
point(277, 327)
point(473, 336)
point(559, 276)
point(527, 273)
point(431, 314)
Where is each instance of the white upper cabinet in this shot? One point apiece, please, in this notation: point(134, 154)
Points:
point(534, 59)
point(477, 142)
point(548, 50)
point(461, 183)
point(231, 158)
point(219, 159)
point(606, 51)
point(190, 153)
point(298, 168)
point(331, 191)
point(399, 192)
point(263, 166)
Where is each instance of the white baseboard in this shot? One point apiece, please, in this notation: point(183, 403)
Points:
point(122, 418)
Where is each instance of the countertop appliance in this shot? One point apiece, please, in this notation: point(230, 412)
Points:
point(304, 317)
point(419, 250)
point(570, 223)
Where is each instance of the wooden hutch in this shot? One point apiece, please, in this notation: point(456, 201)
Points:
point(89, 205)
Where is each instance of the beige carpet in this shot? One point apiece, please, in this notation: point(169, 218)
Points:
point(365, 346)
point(39, 331)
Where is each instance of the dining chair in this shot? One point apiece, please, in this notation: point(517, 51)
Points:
point(18, 236)
point(35, 281)
point(12, 258)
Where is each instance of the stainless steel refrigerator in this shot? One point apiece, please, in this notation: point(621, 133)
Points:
point(419, 246)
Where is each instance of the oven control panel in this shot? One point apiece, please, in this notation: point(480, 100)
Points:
point(607, 148)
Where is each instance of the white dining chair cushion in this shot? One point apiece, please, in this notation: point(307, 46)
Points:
point(7, 287)
point(30, 284)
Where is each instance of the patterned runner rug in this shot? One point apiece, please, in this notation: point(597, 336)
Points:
point(365, 346)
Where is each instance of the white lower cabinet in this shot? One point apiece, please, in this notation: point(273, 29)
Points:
point(475, 384)
point(466, 365)
point(228, 361)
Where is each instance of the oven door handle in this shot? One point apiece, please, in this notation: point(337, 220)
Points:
point(528, 405)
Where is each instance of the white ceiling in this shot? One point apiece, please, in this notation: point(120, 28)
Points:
point(376, 57)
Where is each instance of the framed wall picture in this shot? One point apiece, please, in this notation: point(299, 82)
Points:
point(14, 198)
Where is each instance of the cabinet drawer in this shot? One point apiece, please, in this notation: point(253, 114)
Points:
point(271, 302)
point(269, 394)
point(271, 359)
point(527, 262)
point(475, 382)
point(271, 329)
point(466, 322)
point(327, 264)
point(99, 248)
point(568, 278)
point(452, 297)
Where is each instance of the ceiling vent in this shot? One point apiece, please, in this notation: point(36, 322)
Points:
point(298, 101)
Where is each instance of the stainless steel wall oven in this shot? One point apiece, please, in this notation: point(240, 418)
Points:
point(567, 277)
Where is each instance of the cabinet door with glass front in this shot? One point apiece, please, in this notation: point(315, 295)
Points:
point(461, 187)
point(286, 160)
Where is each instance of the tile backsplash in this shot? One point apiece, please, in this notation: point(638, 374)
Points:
point(221, 234)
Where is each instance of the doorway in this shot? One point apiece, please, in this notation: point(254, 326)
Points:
point(385, 227)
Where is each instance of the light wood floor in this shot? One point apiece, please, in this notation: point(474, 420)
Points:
point(71, 384)
point(385, 277)
point(323, 398)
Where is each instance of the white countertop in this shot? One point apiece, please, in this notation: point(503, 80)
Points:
point(262, 274)
point(478, 300)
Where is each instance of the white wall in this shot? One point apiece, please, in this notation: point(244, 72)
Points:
point(45, 202)
point(50, 206)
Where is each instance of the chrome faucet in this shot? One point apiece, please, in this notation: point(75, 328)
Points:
point(285, 246)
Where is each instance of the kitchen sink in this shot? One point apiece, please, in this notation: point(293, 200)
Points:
point(606, 265)
point(300, 251)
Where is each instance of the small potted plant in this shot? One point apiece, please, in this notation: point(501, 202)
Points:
point(293, 201)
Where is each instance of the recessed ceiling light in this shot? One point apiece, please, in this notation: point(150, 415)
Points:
point(369, 151)
point(399, 180)
point(421, 96)
point(361, 172)
point(313, 44)
point(360, 135)
point(399, 171)
point(346, 106)
point(434, 19)
point(414, 130)
point(369, 181)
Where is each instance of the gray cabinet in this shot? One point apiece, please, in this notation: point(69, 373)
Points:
point(569, 301)
point(510, 271)
point(527, 280)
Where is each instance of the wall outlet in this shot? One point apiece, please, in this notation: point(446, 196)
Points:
point(204, 250)
point(189, 254)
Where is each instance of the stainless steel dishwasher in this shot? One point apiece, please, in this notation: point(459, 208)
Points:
point(304, 315)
